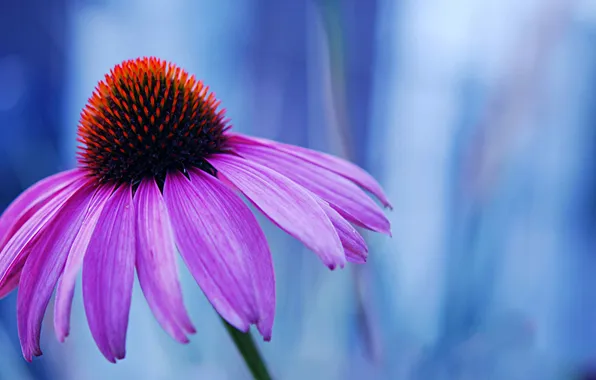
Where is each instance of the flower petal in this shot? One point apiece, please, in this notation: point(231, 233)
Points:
point(352, 203)
point(21, 210)
point(156, 262)
point(224, 248)
point(15, 251)
point(342, 167)
point(44, 266)
point(65, 289)
point(108, 274)
point(11, 281)
point(354, 245)
point(287, 204)
point(31, 200)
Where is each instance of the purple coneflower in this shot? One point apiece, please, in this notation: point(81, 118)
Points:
point(159, 173)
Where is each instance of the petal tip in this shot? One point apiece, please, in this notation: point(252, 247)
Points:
point(61, 337)
point(120, 355)
point(336, 264)
point(61, 330)
point(28, 355)
point(180, 334)
point(183, 340)
point(265, 333)
point(190, 329)
point(386, 230)
point(108, 354)
point(265, 329)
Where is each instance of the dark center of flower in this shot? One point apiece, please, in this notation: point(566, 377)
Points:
point(146, 118)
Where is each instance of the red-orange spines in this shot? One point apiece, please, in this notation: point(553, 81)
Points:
point(147, 117)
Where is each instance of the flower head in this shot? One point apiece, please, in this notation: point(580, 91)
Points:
point(160, 173)
point(147, 118)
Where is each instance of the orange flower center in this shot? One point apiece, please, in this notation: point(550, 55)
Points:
point(146, 118)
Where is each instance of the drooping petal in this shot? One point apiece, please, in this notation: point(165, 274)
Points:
point(287, 204)
point(11, 281)
point(66, 284)
point(224, 247)
point(354, 245)
point(16, 250)
point(108, 274)
point(342, 167)
point(21, 210)
point(31, 200)
point(356, 257)
point(44, 266)
point(351, 201)
point(156, 262)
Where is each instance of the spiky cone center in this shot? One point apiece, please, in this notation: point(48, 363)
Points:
point(148, 117)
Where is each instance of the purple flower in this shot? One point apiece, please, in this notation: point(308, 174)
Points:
point(160, 173)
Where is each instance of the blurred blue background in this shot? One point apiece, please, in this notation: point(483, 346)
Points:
point(478, 117)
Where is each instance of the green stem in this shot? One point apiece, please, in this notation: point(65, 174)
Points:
point(249, 351)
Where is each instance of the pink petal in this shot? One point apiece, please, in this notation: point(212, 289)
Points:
point(16, 250)
point(108, 274)
point(352, 203)
point(342, 167)
point(31, 200)
point(156, 262)
point(23, 208)
point(11, 281)
point(44, 266)
point(354, 245)
point(224, 248)
point(65, 290)
point(287, 204)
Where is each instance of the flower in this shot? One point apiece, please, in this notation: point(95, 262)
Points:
point(160, 172)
